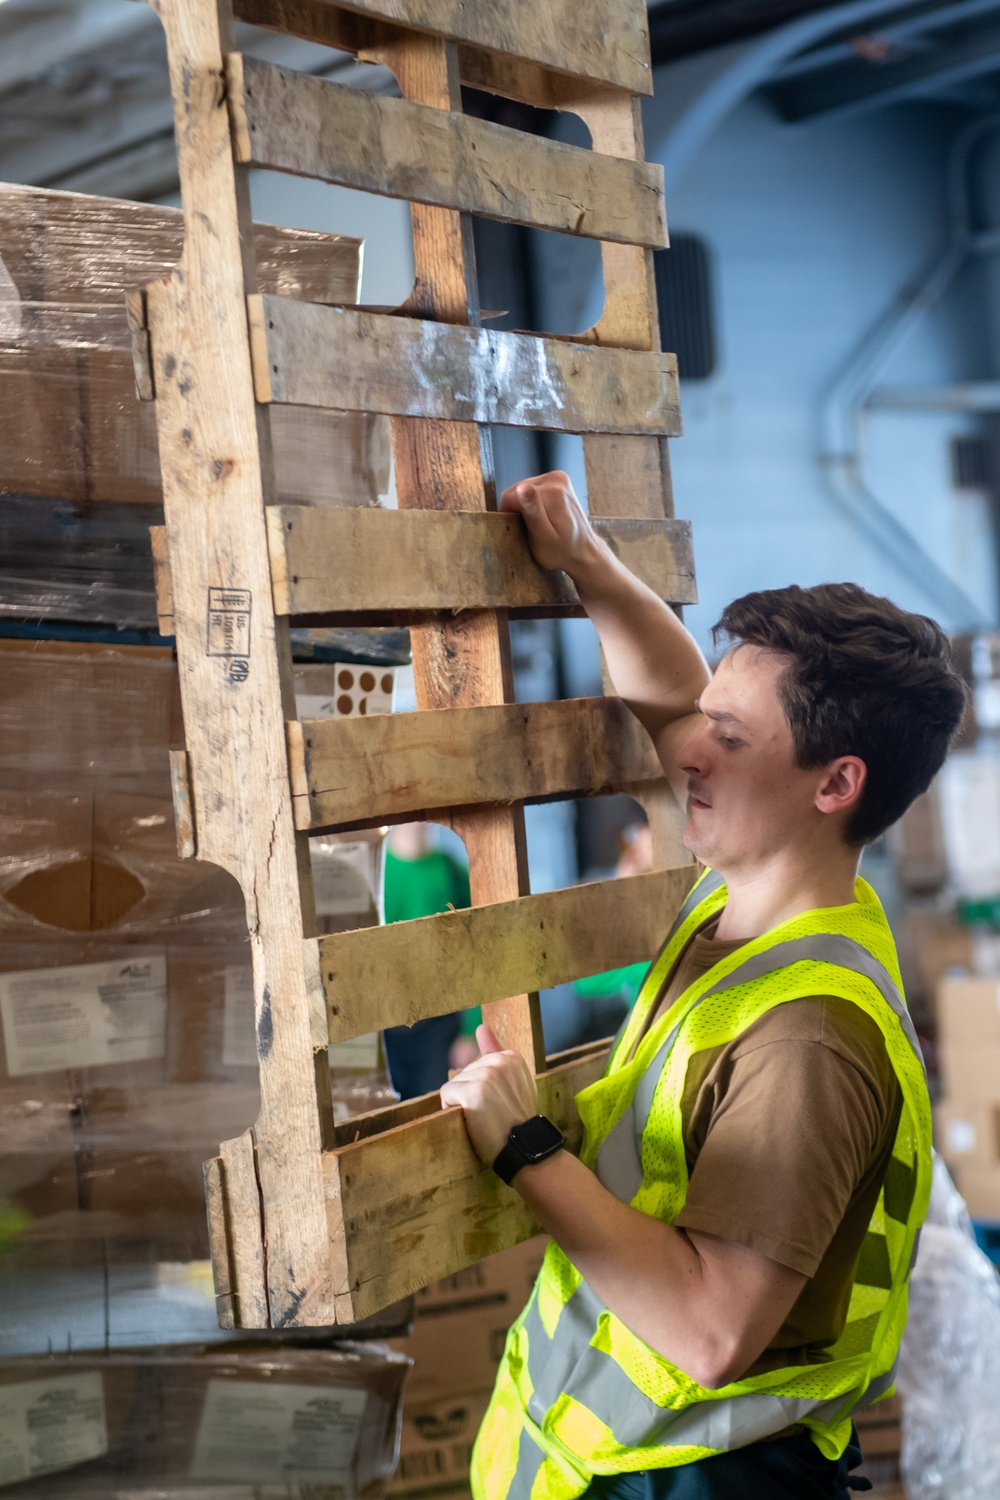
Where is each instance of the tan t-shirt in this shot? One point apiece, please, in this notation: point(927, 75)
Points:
point(788, 1132)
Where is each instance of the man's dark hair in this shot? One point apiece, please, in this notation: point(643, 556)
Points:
point(865, 678)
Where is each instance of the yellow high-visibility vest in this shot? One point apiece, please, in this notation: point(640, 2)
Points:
point(578, 1393)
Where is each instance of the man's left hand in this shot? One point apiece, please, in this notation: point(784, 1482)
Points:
point(495, 1093)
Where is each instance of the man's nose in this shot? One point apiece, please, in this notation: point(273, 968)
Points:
point(693, 756)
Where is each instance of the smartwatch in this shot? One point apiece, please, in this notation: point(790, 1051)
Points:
point(527, 1145)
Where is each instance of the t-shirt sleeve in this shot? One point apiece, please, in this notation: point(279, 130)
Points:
point(792, 1125)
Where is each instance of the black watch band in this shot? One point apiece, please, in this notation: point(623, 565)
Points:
point(527, 1145)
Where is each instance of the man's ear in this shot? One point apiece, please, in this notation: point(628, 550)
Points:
point(842, 784)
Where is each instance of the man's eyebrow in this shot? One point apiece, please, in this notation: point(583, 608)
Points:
point(716, 715)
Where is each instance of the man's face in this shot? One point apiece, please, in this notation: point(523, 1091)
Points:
point(747, 799)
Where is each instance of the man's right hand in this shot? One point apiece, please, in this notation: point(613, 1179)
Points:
point(559, 533)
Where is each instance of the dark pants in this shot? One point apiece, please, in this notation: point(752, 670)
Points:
point(789, 1468)
point(418, 1055)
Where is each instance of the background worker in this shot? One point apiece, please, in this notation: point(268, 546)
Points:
point(422, 879)
point(726, 1281)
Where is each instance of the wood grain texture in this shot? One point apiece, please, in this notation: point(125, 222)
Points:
point(466, 662)
point(410, 970)
point(372, 560)
point(235, 670)
point(77, 249)
point(293, 122)
point(586, 38)
point(418, 1203)
point(391, 765)
point(72, 425)
point(631, 472)
point(246, 1257)
point(219, 1238)
point(335, 357)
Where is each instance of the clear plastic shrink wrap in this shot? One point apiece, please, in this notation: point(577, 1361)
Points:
point(71, 424)
point(949, 1363)
point(246, 1423)
point(127, 1050)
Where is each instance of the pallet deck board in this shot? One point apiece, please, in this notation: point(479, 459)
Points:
point(380, 560)
point(418, 1193)
point(314, 127)
point(585, 38)
point(344, 770)
point(308, 355)
point(408, 971)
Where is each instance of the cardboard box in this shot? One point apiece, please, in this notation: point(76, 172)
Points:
point(305, 1421)
point(931, 944)
point(917, 845)
point(980, 1187)
point(967, 1132)
point(970, 1074)
point(460, 1324)
point(969, 1013)
point(436, 1445)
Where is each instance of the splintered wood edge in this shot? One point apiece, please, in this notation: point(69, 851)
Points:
point(219, 1242)
point(162, 581)
point(239, 127)
point(259, 357)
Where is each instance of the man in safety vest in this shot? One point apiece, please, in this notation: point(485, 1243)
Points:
point(726, 1281)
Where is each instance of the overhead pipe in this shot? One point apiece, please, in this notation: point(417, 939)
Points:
point(840, 450)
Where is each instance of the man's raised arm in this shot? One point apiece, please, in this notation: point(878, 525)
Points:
point(655, 664)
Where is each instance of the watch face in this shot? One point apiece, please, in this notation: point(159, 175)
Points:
point(536, 1138)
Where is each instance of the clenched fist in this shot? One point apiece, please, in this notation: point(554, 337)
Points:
point(495, 1093)
point(559, 532)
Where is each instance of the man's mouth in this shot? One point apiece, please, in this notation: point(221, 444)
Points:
point(696, 797)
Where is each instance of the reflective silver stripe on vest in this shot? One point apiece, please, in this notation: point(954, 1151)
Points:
point(709, 885)
point(619, 1159)
point(571, 1365)
point(529, 1460)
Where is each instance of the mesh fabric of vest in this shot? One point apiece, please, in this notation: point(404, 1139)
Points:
point(571, 1442)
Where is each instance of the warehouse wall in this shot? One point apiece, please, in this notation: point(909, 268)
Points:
point(812, 230)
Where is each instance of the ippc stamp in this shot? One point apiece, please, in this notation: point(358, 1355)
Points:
point(229, 627)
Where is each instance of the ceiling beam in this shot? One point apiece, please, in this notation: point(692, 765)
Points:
point(858, 86)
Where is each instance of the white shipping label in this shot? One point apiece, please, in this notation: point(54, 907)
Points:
point(277, 1434)
point(84, 1015)
point(343, 878)
point(239, 1045)
point(48, 1425)
point(960, 1136)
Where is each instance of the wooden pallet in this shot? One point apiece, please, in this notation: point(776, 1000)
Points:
point(314, 1223)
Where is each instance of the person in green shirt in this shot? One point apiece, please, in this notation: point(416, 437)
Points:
point(421, 880)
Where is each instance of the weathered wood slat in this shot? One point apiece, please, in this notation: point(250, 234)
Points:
point(407, 971)
point(346, 770)
point(307, 355)
point(371, 560)
point(586, 38)
point(420, 1204)
point(293, 122)
point(74, 248)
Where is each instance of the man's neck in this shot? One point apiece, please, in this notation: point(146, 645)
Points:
point(761, 899)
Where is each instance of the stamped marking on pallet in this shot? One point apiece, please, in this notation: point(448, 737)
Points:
point(229, 629)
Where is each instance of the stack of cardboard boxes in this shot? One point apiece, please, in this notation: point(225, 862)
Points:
point(459, 1330)
point(127, 1046)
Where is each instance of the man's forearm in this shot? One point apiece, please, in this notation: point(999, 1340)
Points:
point(647, 1273)
point(710, 1307)
point(654, 662)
